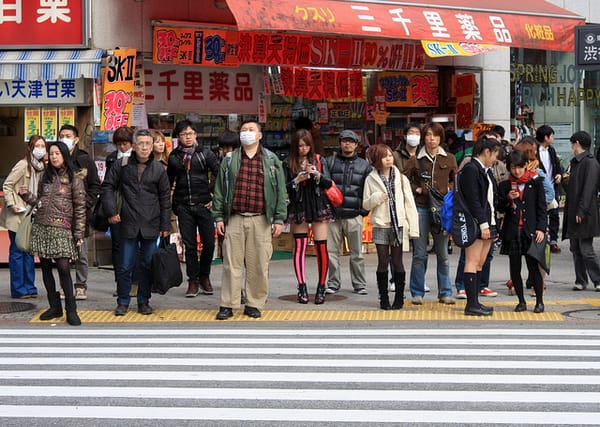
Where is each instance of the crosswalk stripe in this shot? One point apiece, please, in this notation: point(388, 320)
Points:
point(309, 351)
point(306, 415)
point(300, 363)
point(173, 393)
point(317, 377)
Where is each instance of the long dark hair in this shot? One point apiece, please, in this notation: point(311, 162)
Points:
point(69, 167)
point(294, 158)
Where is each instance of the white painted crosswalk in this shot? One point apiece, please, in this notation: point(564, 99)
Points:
point(299, 376)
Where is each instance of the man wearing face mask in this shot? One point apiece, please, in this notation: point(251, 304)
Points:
point(84, 163)
point(405, 151)
point(249, 207)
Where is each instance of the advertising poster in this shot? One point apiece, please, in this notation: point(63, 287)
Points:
point(66, 116)
point(49, 123)
point(32, 122)
point(118, 90)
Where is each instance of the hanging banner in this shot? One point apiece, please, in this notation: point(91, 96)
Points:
point(32, 122)
point(40, 92)
point(66, 116)
point(380, 113)
point(139, 118)
point(218, 47)
point(49, 123)
point(331, 52)
point(464, 92)
point(118, 90)
point(409, 89)
point(437, 49)
point(194, 46)
point(321, 84)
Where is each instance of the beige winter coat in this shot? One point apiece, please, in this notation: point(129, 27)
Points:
point(18, 176)
point(406, 210)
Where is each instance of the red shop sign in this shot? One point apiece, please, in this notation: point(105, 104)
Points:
point(41, 24)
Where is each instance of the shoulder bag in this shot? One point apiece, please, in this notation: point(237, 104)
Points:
point(166, 271)
point(23, 236)
point(333, 193)
point(464, 227)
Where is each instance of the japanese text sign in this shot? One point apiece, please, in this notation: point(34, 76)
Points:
point(194, 46)
point(587, 46)
point(191, 89)
point(473, 21)
point(43, 23)
point(35, 92)
point(409, 89)
point(119, 87)
point(32, 122)
point(464, 92)
point(321, 84)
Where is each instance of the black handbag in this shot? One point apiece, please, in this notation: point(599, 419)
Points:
point(464, 228)
point(166, 271)
point(436, 201)
point(99, 220)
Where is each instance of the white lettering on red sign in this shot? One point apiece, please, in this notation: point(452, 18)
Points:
point(399, 18)
point(468, 27)
point(11, 11)
point(54, 10)
point(365, 17)
point(436, 23)
point(500, 31)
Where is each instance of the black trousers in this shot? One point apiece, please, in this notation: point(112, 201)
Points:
point(195, 220)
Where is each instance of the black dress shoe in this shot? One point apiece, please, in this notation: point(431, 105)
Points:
point(224, 313)
point(521, 307)
point(486, 308)
point(121, 310)
point(252, 312)
point(477, 311)
point(145, 309)
point(539, 308)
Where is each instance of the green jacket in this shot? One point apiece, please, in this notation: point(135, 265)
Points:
point(274, 188)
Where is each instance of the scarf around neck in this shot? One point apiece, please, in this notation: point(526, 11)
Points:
point(187, 154)
point(391, 192)
point(37, 168)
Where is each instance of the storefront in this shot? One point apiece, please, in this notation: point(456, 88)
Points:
point(47, 72)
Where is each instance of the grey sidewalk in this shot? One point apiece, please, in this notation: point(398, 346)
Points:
point(282, 287)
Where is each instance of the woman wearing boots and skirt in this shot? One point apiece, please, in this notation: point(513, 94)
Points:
point(394, 218)
point(479, 189)
point(306, 177)
point(58, 227)
point(522, 200)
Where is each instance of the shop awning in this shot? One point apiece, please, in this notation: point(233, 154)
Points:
point(533, 24)
point(49, 64)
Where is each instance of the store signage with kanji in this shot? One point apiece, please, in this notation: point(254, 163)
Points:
point(587, 46)
point(38, 24)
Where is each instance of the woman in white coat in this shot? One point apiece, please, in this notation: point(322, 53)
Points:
point(24, 175)
point(387, 194)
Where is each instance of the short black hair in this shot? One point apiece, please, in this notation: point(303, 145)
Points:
point(542, 132)
point(584, 139)
point(517, 158)
point(255, 121)
point(499, 130)
point(183, 124)
point(229, 139)
point(69, 127)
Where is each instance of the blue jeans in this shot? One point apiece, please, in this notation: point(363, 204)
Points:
point(22, 270)
point(127, 264)
point(419, 260)
point(484, 281)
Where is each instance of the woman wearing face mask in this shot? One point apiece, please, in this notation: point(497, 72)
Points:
point(408, 149)
point(58, 228)
point(24, 175)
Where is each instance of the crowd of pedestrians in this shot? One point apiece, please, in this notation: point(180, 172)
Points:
point(245, 195)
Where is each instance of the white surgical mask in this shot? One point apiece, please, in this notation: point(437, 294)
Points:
point(68, 142)
point(413, 140)
point(39, 153)
point(247, 137)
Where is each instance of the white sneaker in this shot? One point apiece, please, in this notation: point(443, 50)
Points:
point(427, 288)
point(416, 300)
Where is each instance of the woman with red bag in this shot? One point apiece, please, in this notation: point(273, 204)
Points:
point(307, 178)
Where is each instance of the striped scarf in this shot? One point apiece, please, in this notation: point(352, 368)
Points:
point(391, 192)
point(187, 155)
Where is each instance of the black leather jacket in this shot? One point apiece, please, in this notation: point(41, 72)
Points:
point(193, 186)
point(349, 174)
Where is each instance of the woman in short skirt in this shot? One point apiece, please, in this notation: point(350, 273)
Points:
point(307, 177)
point(58, 228)
point(387, 194)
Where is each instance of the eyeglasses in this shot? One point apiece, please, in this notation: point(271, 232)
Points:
point(144, 144)
point(187, 134)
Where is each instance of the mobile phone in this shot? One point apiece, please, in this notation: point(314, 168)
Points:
point(513, 186)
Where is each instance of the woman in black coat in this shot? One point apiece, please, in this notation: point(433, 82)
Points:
point(478, 187)
point(522, 200)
